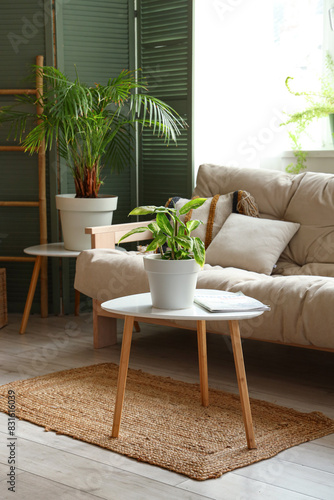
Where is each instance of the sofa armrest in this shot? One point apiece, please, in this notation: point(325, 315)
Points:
point(108, 236)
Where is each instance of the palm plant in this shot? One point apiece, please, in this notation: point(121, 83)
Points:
point(92, 126)
point(319, 105)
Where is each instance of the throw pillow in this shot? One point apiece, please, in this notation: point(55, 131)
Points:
point(214, 212)
point(250, 243)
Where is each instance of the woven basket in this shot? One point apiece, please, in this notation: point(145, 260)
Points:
point(3, 298)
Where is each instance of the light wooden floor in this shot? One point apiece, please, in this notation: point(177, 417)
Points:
point(57, 467)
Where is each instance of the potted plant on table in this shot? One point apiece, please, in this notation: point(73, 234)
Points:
point(91, 126)
point(172, 273)
point(319, 105)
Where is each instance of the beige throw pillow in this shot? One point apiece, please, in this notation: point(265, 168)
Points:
point(223, 209)
point(250, 243)
point(215, 210)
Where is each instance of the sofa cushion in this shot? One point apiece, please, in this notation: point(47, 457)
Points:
point(306, 198)
point(223, 208)
point(105, 274)
point(250, 243)
point(301, 312)
point(312, 205)
point(272, 190)
point(215, 210)
point(301, 309)
point(286, 268)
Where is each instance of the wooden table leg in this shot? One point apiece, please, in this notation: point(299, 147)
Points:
point(242, 383)
point(31, 293)
point(203, 362)
point(44, 287)
point(122, 373)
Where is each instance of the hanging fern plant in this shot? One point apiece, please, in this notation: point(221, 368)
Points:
point(319, 105)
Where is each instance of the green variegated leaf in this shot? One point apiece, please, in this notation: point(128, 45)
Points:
point(177, 218)
point(192, 225)
point(182, 255)
point(199, 251)
point(171, 244)
point(156, 243)
point(134, 231)
point(164, 224)
point(154, 228)
point(167, 255)
point(143, 210)
point(192, 205)
point(164, 210)
point(184, 241)
point(182, 231)
point(180, 246)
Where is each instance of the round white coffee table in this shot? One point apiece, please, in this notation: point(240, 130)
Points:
point(134, 307)
point(40, 251)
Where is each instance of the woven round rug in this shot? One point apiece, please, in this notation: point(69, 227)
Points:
point(163, 422)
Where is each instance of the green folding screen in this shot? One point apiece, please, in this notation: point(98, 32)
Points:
point(95, 39)
point(165, 56)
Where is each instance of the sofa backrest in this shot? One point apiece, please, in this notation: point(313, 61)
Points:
point(306, 198)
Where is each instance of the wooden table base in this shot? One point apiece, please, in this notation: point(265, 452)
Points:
point(203, 374)
point(242, 383)
point(31, 293)
point(122, 374)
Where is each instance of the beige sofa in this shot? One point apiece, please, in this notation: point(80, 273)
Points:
point(299, 288)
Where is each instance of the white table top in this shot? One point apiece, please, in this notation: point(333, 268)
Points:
point(140, 306)
point(51, 250)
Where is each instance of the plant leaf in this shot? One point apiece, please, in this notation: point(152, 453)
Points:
point(199, 251)
point(149, 209)
point(134, 231)
point(184, 241)
point(193, 224)
point(157, 242)
point(164, 224)
point(154, 228)
point(191, 205)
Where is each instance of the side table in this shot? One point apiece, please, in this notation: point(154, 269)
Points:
point(134, 307)
point(46, 250)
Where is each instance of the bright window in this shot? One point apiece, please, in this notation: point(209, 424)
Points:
point(244, 50)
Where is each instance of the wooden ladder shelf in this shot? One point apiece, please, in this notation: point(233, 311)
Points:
point(41, 203)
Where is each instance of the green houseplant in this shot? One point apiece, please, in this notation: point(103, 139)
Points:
point(319, 104)
point(91, 126)
point(172, 273)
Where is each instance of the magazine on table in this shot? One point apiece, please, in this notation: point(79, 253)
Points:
point(228, 302)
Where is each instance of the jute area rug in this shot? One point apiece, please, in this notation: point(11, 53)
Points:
point(163, 422)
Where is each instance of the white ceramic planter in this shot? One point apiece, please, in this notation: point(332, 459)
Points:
point(78, 213)
point(172, 282)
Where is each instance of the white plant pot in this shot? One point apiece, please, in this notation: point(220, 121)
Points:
point(172, 282)
point(78, 213)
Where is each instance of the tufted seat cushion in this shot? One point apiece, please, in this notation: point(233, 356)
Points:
point(300, 311)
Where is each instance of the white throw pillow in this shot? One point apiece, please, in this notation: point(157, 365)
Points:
point(250, 243)
point(223, 210)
